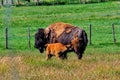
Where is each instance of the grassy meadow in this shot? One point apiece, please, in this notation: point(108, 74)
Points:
point(101, 60)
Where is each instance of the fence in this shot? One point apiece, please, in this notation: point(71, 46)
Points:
point(7, 36)
point(17, 39)
point(25, 38)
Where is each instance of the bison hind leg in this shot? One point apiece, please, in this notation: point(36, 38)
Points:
point(80, 54)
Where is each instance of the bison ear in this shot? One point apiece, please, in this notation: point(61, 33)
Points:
point(40, 30)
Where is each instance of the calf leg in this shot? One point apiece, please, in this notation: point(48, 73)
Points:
point(48, 56)
point(57, 55)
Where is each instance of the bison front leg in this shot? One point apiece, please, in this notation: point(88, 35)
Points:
point(63, 55)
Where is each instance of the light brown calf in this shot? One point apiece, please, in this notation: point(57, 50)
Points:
point(56, 49)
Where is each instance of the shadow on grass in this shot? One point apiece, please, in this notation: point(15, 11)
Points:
point(110, 44)
point(101, 45)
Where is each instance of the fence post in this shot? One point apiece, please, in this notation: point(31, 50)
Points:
point(90, 34)
point(113, 32)
point(29, 45)
point(6, 38)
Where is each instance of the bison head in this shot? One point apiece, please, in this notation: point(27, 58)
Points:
point(40, 40)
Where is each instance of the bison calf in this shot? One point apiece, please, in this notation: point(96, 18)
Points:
point(56, 49)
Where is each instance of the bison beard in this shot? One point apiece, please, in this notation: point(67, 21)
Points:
point(40, 40)
point(63, 33)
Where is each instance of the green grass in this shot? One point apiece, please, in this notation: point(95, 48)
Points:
point(100, 61)
point(101, 16)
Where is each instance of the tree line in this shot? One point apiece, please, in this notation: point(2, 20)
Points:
point(49, 2)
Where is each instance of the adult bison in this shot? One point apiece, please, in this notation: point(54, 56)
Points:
point(64, 33)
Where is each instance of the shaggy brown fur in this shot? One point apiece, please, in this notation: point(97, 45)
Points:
point(55, 49)
point(63, 33)
point(59, 28)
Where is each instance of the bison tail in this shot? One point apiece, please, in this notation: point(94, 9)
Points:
point(85, 38)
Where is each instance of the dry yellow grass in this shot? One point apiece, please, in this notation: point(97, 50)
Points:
point(34, 67)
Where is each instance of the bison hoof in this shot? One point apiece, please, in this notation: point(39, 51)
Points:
point(79, 56)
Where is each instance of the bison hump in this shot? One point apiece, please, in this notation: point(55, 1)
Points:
point(61, 27)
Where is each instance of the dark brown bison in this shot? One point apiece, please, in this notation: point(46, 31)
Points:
point(63, 33)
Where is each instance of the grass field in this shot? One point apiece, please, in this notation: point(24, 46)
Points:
point(101, 60)
point(29, 66)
